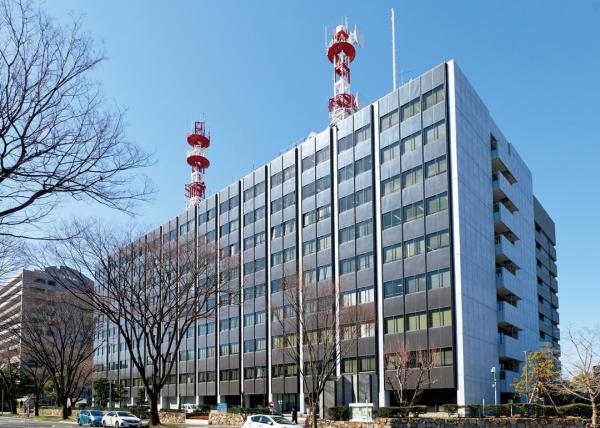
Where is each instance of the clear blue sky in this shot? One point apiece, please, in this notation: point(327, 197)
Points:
point(257, 69)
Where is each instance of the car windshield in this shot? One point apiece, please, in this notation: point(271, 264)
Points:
point(96, 413)
point(126, 414)
point(282, 421)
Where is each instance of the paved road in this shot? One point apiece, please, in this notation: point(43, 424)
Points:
point(9, 422)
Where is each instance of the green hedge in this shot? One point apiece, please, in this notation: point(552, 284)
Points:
point(250, 410)
point(339, 413)
point(401, 412)
point(523, 409)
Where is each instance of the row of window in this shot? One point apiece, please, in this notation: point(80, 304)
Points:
point(229, 348)
point(254, 291)
point(441, 358)
point(253, 241)
point(359, 230)
point(418, 321)
point(285, 341)
point(316, 215)
point(360, 364)
point(232, 226)
point(281, 370)
point(283, 202)
point(413, 176)
point(283, 256)
point(412, 108)
point(415, 211)
point(255, 215)
point(255, 318)
point(359, 296)
point(229, 323)
point(229, 204)
point(414, 247)
point(357, 263)
point(354, 169)
point(255, 345)
point(351, 140)
point(414, 142)
point(414, 284)
point(358, 331)
point(315, 159)
point(255, 372)
point(255, 266)
point(358, 198)
point(315, 187)
point(315, 245)
point(321, 273)
point(283, 229)
point(254, 191)
point(283, 176)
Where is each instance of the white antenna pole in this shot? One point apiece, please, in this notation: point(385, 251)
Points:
point(393, 50)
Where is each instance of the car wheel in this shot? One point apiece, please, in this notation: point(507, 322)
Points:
point(116, 425)
point(78, 421)
point(104, 424)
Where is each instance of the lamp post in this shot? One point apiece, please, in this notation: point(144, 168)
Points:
point(494, 385)
point(526, 376)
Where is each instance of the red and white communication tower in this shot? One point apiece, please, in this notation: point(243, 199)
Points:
point(341, 52)
point(199, 141)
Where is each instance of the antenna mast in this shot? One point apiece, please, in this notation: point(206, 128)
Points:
point(393, 50)
point(199, 141)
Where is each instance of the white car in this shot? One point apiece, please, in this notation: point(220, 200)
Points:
point(188, 408)
point(118, 419)
point(268, 421)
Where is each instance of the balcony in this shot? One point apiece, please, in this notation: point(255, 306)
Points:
point(509, 347)
point(498, 164)
point(506, 252)
point(503, 192)
point(552, 268)
point(508, 314)
point(506, 282)
point(504, 221)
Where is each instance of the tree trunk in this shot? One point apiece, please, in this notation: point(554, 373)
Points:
point(13, 406)
point(594, 413)
point(154, 417)
point(65, 410)
point(36, 405)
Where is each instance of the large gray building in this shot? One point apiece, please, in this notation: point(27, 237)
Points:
point(417, 207)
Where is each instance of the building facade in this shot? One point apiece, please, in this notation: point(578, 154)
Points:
point(418, 209)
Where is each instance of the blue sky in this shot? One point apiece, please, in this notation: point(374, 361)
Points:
point(258, 72)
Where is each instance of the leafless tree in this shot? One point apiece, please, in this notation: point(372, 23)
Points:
point(60, 337)
point(11, 256)
point(312, 312)
point(152, 289)
point(39, 377)
point(11, 375)
point(58, 138)
point(408, 372)
point(581, 365)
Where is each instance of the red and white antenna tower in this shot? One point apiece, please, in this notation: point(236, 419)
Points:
point(341, 52)
point(199, 141)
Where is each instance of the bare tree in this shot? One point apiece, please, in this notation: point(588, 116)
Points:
point(312, 312)
point(60, 337)
point(11, 256)
point(13, 380)
point(39, 377)
point(57, 137)
point(152, 289)
point(409, 373)
point(581, 365)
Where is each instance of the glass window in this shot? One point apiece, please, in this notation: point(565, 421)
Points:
point(309, 218)
point(345, 143)
point(248, 320)
point(412, 177)
point(289, 172)
point(416, 321)
point(390, 152)
point(414, 247)
point(348, 299)
point(367, 329)
point(364, 261)
point(390, 185)
point(414, 284)
point(433, 97)
point(324, 273)
point(345, 173)
point(437, 203)
point(367, 364)
point(440, 318)
point(393, 325)
point(363, 134)
point(393, 288)
point(435, 167)
point(435, 132)
point(438, 240)
point(349, 365)
point(388, 120)
point(322, 155)
point(323, 242)
point(346, 266)
point(346, 234)
point(309, 247)
point(438, 279)
point(411, 143)
point(392, 253)
point(444, 357)
point(310, 276)
point(365, 295)
point(364, 228)
point(391, 218)
point(362, 165)
point(410, 109)
point(323, 212)
point(276, 285)
point(308, 162)
point(349, 332)
point(413, 211)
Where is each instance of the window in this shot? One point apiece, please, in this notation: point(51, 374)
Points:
point(309, 247)
point(349, 332)
point(364, 228)
point(367, 364)
point(393, 325)
point(365, 295)
point(435, 167)
point(440, 318)
point(346, 234)
point(359, 197)
point(224, 349)
point(435, 132)
point(390, 185)
point(410, 109)
point(322, 155)
point(316, 215)
point(310, 276)
point(346, 266)
point(389, 120)
point(416, 321)
point(444, 357)
point(412, 177)
point(249, 218)
point(260, 344)
point(367, 329)
point(349, 365)
point(345, 173)
point(393, 288)
point(390, 152)
point(412, 211)
point(414, 247)
point(348, 298)
point(391, 218)
point(414, 284)
point(259, 188)
point(438, 240)
point(437, 203)
point(363, 165)
point(438, 279)
point(276, 285)
point(323, 212)
point(323, 242)
point(248, 320)
point(308, 162)
point(345, 143)
point(324, 273)
point(411, 143)
point(364, 261)
point(392, 253)
point(433, 97)
point(259, 317)
point(289, 172)
point(363, 134)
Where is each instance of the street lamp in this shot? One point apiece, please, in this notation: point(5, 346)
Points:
point(526, 376)
point(494, 385)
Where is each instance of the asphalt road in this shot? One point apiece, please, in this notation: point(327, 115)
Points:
point(9, 422)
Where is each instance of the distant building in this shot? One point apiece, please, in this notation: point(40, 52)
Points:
point(417, 207)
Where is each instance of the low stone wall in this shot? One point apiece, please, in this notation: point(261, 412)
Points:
point(227, 419)
point(49, 411)
point(172, 417)
point(458, 422)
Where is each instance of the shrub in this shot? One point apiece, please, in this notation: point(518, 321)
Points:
point(172, 411)
point(389, 412)
point(249, 410)
point(472, 410)
point(339, 413)
point(401, 412)
point(451, 409)
point(576, 409)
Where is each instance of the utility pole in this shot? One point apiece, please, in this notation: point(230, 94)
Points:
point(494, 385)
point(526, 376)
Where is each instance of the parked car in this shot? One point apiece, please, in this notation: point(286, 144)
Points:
point(92, 418)
point(188, 408)
point(118, 419)
point(268, 421)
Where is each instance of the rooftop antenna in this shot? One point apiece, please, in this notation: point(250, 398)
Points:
point(199, 140)
point(393, 50)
